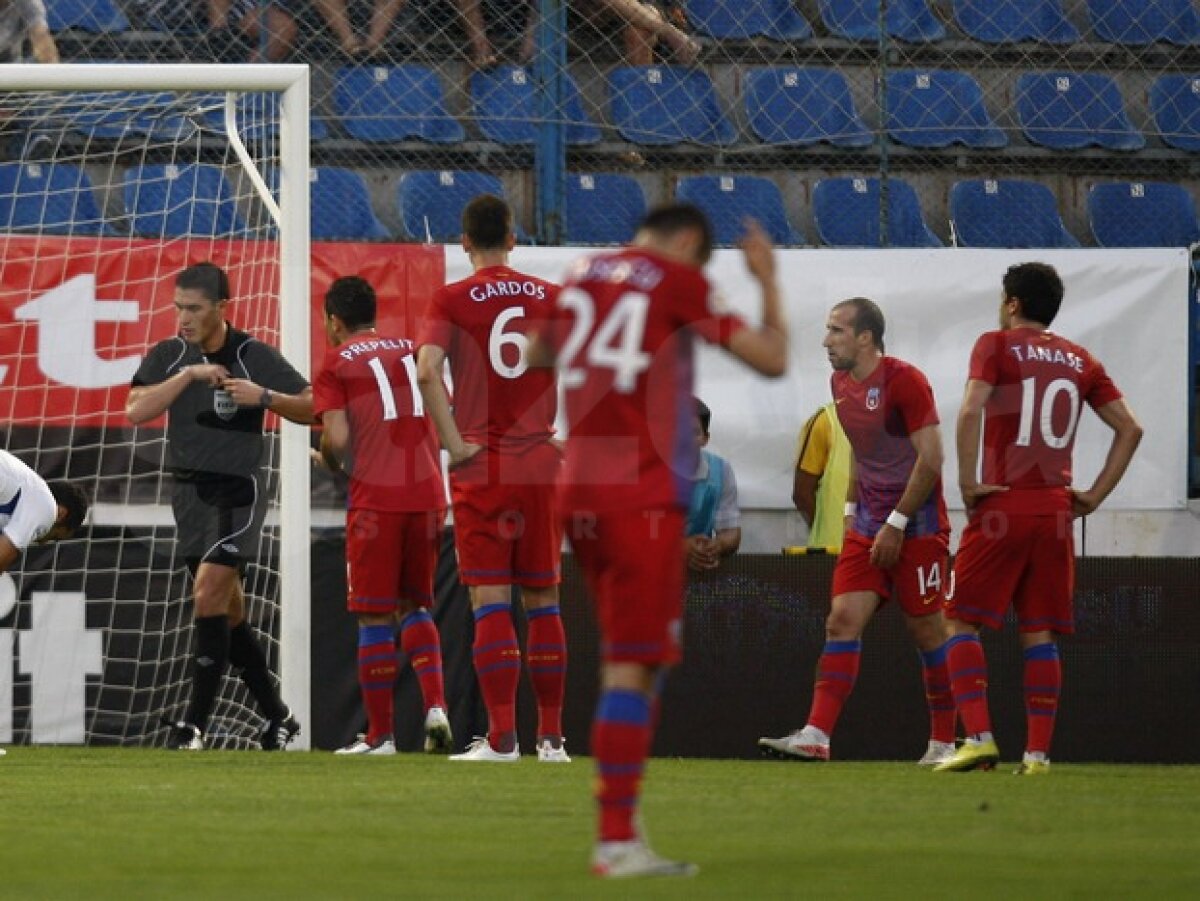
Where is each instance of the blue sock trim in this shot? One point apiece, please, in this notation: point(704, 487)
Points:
point(957, 639)
point(369, 635)
point(843, 647)
point(489, 609)
point(631, 708)
point(420, 615)
point(1047, 651)
point(935, 657)
point(542, 611)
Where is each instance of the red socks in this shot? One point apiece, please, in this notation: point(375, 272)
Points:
point(498, 668)
point(546, 657)
point(419, 640)
point(938, 695)
point(621, 737)
point(377, 677)
point(836, 672)
point(969, 679)
point(1043, 682)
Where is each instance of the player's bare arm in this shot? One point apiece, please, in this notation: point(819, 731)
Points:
point(1127, 435)
point(804, 494)
point(145, 402)
point(927, 441)
point(967, 432)
point(765, 348)
point(296, 408)
point(8, 553)
point(335, 441)
point(430, 360)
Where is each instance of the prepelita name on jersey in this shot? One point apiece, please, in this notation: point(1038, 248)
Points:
point(374, 345)
point(1031, 353)
point(638, 273)
point(511, 288)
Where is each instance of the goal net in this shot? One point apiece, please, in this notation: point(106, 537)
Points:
point(116, 177)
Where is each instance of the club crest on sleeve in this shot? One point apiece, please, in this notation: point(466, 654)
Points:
point(224, 404)
point(872, 398)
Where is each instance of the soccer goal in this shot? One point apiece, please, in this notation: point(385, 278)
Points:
point(114, 178)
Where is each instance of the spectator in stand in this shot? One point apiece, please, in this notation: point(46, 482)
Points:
point(21, 19)
point(821, 478)
point(713, 529)
point(242, 20)
point(645, 27)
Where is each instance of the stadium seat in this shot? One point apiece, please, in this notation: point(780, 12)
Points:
point(989, 213)
point(1012, 21)
point(341, 207)
point(380, 105)
point(1136, 23)
point(506, 107)
point(1142, 214)
point(846, 214)
point(728, 199)
point(95, 16)
point(659, 105)
point(603, 208)
point(938, 108)
point(858, 20)
point(112, 115)
point(50, 198)
point(723, 19)
point(803, 106)
point(257, 115)
point(1067, 111)
point(1175, 104)
point(431, 202)
point(171, 200)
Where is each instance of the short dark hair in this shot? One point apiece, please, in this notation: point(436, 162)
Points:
point(671, 218)
point(207, 278)
point(867, 318)
point(73, 499)
point(352, 299)
point(1038, 287)
point(488, 221)
point(704, 414)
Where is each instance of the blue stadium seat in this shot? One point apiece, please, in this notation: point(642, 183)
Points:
point(506, 107)
point(846, 214)
point(728, 199)
point(1175, 103)
point(858, 20)
point(803, 106)
point(777, 19)
point(341, 207)
point(989, 213)
point(658, 105)
point(1136, 23)
point(380, 105)
point(1142, 214)
point(1012, 21)
point(95, 16)
point(112, 115)
point(172, 200)
point(1067, 111)
point(936, 108)
point(257, 115)
point(50, 198)
point(431, 202)
point(602, 208)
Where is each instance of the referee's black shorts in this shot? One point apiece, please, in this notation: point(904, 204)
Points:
point(219, 519)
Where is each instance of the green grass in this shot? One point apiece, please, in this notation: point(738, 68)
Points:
point(83, 823)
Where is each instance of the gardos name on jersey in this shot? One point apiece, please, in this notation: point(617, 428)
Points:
point(480, 293)
point(1031, 353)
point(373, 345)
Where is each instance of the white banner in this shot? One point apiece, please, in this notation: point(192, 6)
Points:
point(1128, 307)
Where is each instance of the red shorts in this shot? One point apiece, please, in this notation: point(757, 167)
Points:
point(391, 557)
point(1026, 561)
point(916, 582)
point(634, 566)
point(506, 524)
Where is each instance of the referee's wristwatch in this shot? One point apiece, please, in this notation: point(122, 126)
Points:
point(265, 400)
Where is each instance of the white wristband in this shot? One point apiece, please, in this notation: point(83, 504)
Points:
point(851, 508)
point(897, 520)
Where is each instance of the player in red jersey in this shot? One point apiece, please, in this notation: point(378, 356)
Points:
point(623, 334)
point(1027, 386)
point(504, 463)
point(377, 430)
point(897, 531)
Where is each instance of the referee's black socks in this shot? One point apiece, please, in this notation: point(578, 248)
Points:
point(208, 666)
point(246, 653)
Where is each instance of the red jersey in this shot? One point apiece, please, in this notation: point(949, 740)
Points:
point(1040, 381)
point(623, 330)
point(482, 323)
point(878, 415)
point(394, 457)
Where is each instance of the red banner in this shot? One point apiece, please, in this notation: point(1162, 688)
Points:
point(77, 314)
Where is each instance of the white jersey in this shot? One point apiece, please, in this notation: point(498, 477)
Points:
point(27, 508)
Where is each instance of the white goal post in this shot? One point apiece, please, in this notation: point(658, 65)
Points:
point(291, 215)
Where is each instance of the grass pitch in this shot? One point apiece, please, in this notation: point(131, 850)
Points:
point(109, 823)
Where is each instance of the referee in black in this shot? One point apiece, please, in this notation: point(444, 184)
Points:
point(216, 384)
